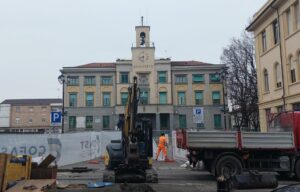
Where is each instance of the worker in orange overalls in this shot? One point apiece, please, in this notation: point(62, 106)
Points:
point(162, 146)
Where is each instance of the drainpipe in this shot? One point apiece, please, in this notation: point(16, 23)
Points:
point(281, 59)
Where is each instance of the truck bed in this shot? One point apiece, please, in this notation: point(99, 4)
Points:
point(209, 139)
point(235, 139)
point(274, 140)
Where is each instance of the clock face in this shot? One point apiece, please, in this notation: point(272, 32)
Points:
point(143, 56)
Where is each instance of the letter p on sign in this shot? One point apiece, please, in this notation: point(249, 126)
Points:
point(55, 117)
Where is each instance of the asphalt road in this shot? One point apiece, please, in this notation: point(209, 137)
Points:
point(172, 177)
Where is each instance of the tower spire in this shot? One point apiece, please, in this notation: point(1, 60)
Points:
point(142, 21)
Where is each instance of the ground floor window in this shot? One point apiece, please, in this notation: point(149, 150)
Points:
point(296, 107)
point(89, 121)
point(72, 122)
point(182, 121)
point(217, 121)
point(164, 122)
point(105, 122)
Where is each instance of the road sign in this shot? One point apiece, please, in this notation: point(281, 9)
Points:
point(198, 114)
point(56, 118)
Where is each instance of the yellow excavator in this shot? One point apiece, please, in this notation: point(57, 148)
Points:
point(130, 159)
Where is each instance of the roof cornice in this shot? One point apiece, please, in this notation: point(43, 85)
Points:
point(266, 9)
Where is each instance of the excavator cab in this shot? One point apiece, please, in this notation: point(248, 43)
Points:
point(130, 159)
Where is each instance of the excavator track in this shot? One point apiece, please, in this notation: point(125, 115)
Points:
point(109, 176)
point(150, 177)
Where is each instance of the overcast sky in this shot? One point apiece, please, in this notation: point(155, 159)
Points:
point(39, 37)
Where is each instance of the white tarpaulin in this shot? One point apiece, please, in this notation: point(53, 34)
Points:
point(178, 154)
point(67, 148)
point(72, 147)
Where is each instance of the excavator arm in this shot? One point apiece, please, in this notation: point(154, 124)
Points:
point(130, 159)
point(129, 132)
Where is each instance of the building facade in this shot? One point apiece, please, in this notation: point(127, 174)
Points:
point(276, 28)
point(96, 93)
point(28, 115)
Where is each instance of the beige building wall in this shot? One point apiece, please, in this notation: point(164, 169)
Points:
point(206, 87)
point(163, 65)
point(277, 54)
point(98, 89)
point(30, 116)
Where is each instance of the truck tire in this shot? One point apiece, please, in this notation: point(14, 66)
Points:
point(228, 166)
point(297, 169)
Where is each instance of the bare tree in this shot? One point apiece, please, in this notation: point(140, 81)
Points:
point(242, 81)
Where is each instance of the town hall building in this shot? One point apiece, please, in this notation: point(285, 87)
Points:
point(173, 94)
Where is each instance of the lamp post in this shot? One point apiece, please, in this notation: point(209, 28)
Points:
point(62, 79)
point(222, 76)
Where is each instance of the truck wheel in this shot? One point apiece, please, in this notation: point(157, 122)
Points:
point(297, 169)
point(228, 166)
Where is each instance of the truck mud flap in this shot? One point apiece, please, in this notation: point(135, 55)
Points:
point(254, 180)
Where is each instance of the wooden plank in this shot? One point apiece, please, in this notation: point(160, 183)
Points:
point(46, 162)
point(2, 169)
point(39, 184)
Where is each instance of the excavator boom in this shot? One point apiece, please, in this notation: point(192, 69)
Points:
point(130, 159)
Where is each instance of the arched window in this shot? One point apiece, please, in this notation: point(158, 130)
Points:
point(143, 38)
point(293, 70)
point(278, 75)
point(266, 80)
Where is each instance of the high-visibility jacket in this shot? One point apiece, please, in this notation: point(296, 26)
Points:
point(162, 141)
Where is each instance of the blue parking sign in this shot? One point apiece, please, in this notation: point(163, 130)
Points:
point(198, 111)
point(56, 117)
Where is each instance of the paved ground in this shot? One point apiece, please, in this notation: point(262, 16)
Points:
point(171, 178)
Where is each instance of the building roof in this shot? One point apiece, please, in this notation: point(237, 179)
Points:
point(97, 65)
point(270, 5)
point(189, 63)
point(173, 63)
point(31, 101)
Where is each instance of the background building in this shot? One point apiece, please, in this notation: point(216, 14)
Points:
point(27, 115)
point(96, 93)
point(276, 29)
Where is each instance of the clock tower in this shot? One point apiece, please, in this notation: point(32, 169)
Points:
point(143, 61)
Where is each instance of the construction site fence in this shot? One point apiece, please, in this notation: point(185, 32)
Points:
point(72, 148)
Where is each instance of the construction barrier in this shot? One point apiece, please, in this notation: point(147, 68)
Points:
point(68, 148)
point(71, 148)
point(178, 154)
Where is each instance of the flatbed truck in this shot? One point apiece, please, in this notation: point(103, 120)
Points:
point(232, 152)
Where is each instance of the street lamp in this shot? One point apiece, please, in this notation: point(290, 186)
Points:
point(222, 75)
point(62, 79)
